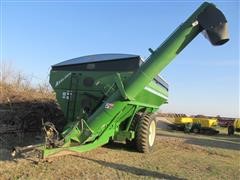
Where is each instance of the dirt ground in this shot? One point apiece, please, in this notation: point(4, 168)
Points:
point(175, 156)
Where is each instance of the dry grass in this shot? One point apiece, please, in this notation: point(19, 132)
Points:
point(23, 104)
point(15, 86)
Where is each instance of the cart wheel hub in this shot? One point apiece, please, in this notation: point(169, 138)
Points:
point(152, 133)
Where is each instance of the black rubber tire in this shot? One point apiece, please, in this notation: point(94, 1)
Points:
point(196, 130)
point(142, 133)
point(187, 128)
point(230, 130)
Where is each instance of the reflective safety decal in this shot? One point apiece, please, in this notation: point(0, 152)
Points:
point(61, 80)
point(109, 105)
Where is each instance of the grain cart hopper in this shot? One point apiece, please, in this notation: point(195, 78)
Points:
point(111, 96)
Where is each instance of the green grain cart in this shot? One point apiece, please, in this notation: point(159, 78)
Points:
point(109, 97)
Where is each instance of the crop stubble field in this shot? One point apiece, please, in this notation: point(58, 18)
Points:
point(175, 156)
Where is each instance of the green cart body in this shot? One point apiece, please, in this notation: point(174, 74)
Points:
point(82, 84)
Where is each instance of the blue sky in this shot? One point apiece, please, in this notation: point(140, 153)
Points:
point(202, 80)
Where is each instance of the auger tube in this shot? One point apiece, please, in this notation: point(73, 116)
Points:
point(206, 18)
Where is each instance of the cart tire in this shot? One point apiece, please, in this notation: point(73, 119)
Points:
point(196, 130)
point(145, 133)
point(230, 130)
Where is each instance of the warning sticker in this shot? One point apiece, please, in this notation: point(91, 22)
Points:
point(109, 105)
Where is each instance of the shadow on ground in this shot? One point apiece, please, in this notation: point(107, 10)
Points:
point(217, 141)
point(120, 146)
point(131, 169)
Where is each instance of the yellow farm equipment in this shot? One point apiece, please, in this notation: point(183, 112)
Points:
point(235, 127)
point(196, 125)
point(205, 122)
point(183, 120)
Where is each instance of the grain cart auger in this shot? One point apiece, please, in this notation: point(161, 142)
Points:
point(111, 96)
